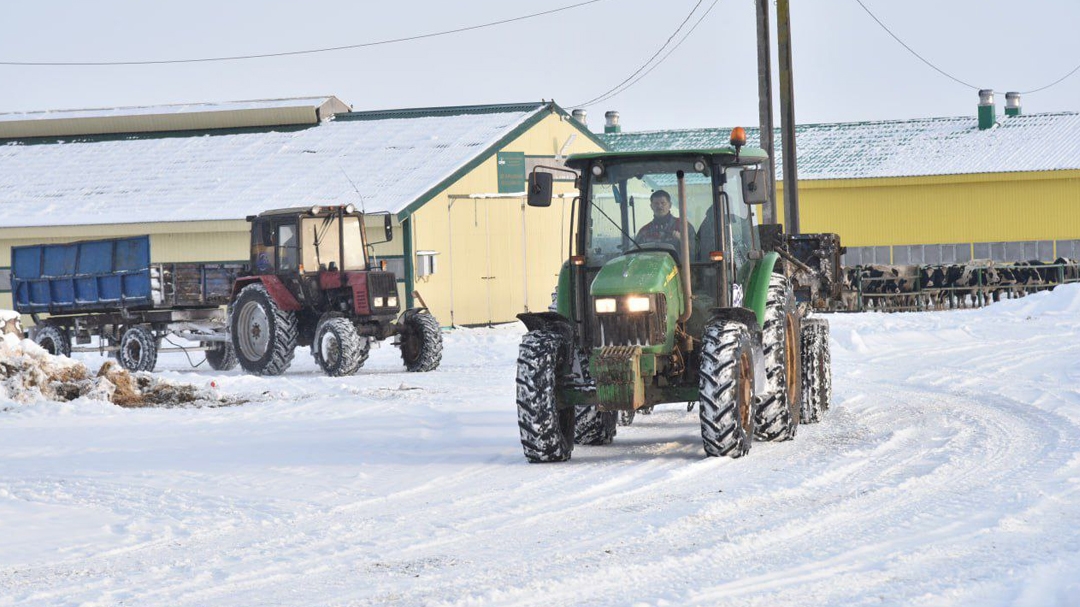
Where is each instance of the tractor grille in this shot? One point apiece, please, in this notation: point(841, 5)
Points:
point(630, 329)
point(384, 285)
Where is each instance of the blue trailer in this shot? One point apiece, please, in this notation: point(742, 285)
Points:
point(110, 289)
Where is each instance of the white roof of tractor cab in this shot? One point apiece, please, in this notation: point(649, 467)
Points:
point(317, 153)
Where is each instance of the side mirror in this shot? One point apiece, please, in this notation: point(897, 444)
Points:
point(755, 189)
point(388, 227)
point(540, 189)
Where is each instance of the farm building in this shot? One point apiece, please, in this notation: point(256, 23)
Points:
point(452, 178)
point(931, 190)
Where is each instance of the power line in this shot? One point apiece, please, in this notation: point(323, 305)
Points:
point(303, 52)
point(939, 70)
point(612, 91)
point(911, 50)
point(672, 50)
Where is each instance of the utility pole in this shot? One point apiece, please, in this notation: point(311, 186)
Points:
point(765, 96)
point(787, 118)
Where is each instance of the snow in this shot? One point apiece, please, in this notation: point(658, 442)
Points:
point(946, 473)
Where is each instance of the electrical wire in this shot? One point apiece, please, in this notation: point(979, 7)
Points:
point(612, 91)
point(302, 52)
point(911, 50)
point(672, 50)
point(939, 70)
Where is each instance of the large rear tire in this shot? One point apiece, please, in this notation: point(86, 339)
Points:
point(263, 335)
point(547, 431)
point(726, 389)
point(816, 370)
point(594, 427)
point(338, 349)
point(55, 340)
point(138, 349)
point(421, 341)
point(780, 407)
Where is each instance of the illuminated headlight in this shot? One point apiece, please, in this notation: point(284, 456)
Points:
point(605, 305)
point(377, 302)
point(315, 210)
point(350, 209)
point(391, 301)
point(638, 304)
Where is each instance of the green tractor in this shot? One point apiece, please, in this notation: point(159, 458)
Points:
point(693, 312)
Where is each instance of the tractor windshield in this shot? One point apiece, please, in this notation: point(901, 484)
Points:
point(636, 205)
point(322, 243)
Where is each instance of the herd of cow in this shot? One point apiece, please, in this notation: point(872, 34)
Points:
point(948, 286)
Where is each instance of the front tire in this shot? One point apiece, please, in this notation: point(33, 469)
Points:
point(221, 356)
point(138, 349)
point(816, 370)
point(338, 349)
point(777, 415)
point(55, 340)
point(594, 427)
point(421, 341)
point(726, 389)
point(547, 431)
point(263, 335)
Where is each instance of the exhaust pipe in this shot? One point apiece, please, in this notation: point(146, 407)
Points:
point(684, 263)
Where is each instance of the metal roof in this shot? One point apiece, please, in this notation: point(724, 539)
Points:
point(901, 148)
point(395, 158)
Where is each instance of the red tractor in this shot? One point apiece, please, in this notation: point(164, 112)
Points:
point(312, 284)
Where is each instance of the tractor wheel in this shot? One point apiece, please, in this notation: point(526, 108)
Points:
point(338, 349)
point(55, 340)
point(263, 335)
point(726, 389)
point(594, 427)
point(421, 341)
point(138, 349)
point(777, 415)
point(221, 356)
point(547, 432)
point(816, 370)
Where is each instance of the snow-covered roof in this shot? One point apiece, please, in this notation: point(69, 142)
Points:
point(393, 157)
point(901, 148)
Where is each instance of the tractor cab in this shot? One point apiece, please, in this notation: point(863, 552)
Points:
point(310, 240)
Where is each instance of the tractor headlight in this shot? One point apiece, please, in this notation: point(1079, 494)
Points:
point(605, 305)
point(391, 301)
point(636, 303)
point(315, 210)
point(350, 209)
point(377, 302)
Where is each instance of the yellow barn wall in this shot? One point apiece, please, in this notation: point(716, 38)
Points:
point(943, 209)
point(505, 256)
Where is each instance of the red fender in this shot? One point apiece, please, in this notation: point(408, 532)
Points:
point(277, 290)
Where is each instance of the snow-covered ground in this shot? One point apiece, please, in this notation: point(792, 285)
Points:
point(946, 473)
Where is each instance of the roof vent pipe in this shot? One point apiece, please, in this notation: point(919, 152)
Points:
point(1012, 104)
point(986, 109)
point(580, 115)
point(612, 122)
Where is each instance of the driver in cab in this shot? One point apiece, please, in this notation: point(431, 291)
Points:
point(664, 227)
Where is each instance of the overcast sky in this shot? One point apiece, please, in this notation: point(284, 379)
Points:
point(847, 68)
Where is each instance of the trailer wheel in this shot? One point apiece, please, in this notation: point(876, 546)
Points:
point(338, 349)
point(138, 349)
point(726, 389)
point(594, 427)
point(221, 356)
point(263, 335)
point(547, 431)
point(777, 415)
point(421, 341)
point(816, 370)
point(55, 340)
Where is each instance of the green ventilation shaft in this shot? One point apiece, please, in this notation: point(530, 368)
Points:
point(1012, 104)
point(986, 109)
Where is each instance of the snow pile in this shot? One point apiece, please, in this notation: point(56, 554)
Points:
point(28, 373)
point(9, 323)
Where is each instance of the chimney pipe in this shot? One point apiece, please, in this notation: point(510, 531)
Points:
point(1012, 104)
point(612, 122)
point(986, 109)
point(581, 116)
